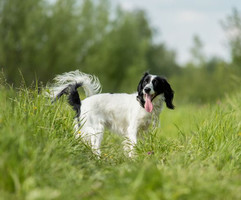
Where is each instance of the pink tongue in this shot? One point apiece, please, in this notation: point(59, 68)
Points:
point(148, 103)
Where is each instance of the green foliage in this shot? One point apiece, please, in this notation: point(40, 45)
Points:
point(42, 38)
point(203, 79)
point(209, 83)
point(121, 53)
point(194, 155)
point(162, 61)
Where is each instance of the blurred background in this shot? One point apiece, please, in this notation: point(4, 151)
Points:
point(197, 46)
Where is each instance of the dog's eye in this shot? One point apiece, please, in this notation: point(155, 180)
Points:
point(146, 81)
point(154, 82)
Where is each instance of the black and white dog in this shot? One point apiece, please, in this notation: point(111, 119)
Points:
point(122, 113)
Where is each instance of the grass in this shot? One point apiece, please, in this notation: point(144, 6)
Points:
point(196, 154)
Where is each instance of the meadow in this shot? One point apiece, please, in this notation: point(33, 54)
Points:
point(195, 154)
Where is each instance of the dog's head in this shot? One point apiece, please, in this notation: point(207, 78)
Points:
point(150, 87)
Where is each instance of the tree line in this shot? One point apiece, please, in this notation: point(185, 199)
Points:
point(43, 38)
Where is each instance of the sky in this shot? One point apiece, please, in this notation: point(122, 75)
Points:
point(177, 21)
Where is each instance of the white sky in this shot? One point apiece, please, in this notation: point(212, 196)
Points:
point(177, 21)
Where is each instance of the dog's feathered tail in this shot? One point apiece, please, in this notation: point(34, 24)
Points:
point(69, 82)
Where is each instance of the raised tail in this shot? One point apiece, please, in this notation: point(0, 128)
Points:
point(69, 82)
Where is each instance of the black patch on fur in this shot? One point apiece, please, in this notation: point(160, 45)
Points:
point(140, 87)
point(162, 86)
point(73, 97)
point(168, 94)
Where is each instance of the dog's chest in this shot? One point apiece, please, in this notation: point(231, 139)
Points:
point(144, 121)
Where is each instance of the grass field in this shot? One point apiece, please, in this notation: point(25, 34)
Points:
point(196, 154)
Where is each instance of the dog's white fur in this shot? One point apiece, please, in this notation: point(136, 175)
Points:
point(121, 113)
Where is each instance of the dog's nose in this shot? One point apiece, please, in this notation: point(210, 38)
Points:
point(147, 90)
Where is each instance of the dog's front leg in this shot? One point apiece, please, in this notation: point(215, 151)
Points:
point(130, 141)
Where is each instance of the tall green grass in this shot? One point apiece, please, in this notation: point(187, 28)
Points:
point(194, 155)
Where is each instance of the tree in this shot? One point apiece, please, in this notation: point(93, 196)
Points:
point(43, 38)
point(198, 57)
point(119, 58)
point(162, 61)
point(21, 27)
point(232, 27)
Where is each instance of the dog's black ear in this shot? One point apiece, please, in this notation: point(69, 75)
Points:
point(168, 94)
point(139, 90)
point(140, 85)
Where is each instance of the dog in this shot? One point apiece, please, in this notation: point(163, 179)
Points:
point(122, 113)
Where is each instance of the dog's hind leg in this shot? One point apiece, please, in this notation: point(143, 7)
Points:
point(93, 137)
point(96, 139)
